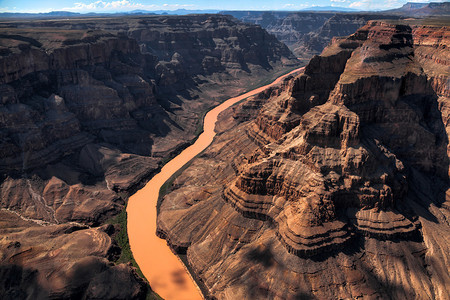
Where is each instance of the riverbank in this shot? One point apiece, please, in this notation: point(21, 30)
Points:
point(165, 272)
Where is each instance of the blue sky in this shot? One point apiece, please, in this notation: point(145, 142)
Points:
point(128, 5)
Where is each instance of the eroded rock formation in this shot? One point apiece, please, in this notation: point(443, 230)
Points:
point(62, 261)
point(335, 184)
point(88, 110)
point(308, 33)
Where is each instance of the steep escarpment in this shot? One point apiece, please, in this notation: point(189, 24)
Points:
point(338, 25)
point(290, 28)
point(56, 102)
point(89, 108)
point(336, 187)
point(421, 10)
point(147, 70)
point(307, 33)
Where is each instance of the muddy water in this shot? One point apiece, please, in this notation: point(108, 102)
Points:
point(165, 272)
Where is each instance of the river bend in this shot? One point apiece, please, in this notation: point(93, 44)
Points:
point(165, 272)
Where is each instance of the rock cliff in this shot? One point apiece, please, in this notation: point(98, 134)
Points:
point(422, 10)
point(333, 185)
point(307, 33)
point(88, 110)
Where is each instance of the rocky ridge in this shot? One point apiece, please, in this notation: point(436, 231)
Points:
point(307, 33)
point(89, 108)
point(333, 185)
point(421, 10)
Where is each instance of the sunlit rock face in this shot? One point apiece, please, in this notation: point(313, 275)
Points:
point(335, 184)
point(88, 110)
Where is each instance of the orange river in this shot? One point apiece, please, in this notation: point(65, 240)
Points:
point(165, 272)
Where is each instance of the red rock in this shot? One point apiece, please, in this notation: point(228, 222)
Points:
point(88, 110)
point(336, 188)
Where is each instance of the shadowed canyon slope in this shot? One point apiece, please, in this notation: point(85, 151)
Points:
point(307, 33)
point(88, 110)
point(335, 184)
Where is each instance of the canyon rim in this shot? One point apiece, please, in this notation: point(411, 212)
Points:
point(332, 184)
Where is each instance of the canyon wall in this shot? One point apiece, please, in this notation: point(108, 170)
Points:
point(88, 110)
point(333, 185)
point(307, 33)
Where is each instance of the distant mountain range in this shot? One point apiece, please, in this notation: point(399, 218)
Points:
point(175, 12)
point(410, 9)
point(52, 14)
point(329, 8)
point(68, 14)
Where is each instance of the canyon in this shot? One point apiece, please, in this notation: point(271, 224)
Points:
point(307, 33)
point(90, 109)
point(168, 275)
point(334, 184)
point(331, 184)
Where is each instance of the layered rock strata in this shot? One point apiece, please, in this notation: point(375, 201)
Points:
point(337, 187)
point(88, 110)
point(423, 10)
point(308, 33)
point(62, 261)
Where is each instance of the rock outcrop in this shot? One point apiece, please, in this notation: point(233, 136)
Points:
point(154, 78)
point(337, 187)
point(88, 110)
point(62, 261)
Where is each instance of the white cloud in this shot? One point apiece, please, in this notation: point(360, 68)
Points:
point(30, 11)
point(340, 1)
point(122, 5)
point(382, 4)
point(376, 4)
point(359, 4)
point(291, 6)
point(102, 5)
point(423, 1)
